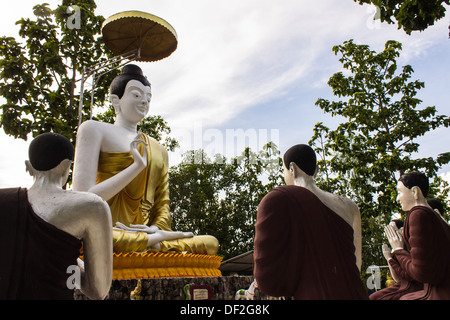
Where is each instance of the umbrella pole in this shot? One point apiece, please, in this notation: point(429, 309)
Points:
point(87, 72)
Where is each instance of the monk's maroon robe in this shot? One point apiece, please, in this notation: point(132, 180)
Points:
point(405, 283)
point(427, 260)
point(402, 287)
point(35, 255)
point(303, 249)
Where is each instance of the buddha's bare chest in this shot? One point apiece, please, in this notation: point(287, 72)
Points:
point(117, 141)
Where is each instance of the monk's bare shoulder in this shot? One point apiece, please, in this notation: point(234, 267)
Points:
point(343, 206)
point(86, 202)
point(85, 209)
point(350, 204)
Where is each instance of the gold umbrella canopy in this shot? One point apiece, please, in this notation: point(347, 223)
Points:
point(131, 30)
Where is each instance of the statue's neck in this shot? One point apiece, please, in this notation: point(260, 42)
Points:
point(47, 182)
point(420, 202)
point(305, 182)
point(127, 125)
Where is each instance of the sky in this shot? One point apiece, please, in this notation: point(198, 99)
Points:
point(249, 72)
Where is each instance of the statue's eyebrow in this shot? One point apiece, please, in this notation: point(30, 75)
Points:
point(137, 88)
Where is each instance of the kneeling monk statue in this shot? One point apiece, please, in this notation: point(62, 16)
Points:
point(43, 229)
point(130, 171)
point(307, 241)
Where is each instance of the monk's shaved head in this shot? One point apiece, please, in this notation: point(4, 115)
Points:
point(47, 151)
point(303, 156)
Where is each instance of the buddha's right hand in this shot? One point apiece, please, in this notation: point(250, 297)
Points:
point(140, 160)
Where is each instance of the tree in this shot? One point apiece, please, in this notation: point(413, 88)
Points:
point(375, 142)
point(220, 197)
point(411, 15)
point(39, 77)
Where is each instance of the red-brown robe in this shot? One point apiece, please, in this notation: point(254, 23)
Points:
point(303, 249)
point(402, 287)
point(427, 260)
point(35, 255)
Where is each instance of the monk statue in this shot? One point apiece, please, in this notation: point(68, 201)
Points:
point(307, 241)
point(422, 250)
point(44, 228)
point(437, 206)
point(129, 170)
point(403, 284)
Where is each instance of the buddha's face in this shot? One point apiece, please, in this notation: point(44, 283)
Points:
point(405, 196)
point(135, 102)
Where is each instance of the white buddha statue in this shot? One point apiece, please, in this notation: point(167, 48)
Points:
point(130, 171)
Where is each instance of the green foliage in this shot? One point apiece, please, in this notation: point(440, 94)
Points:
point(411, 15)
point(40, 73)
point(375, 143)
point(39, 76)
point(220, 197)
point(440, 189)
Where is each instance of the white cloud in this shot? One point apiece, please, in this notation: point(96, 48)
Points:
point(235, 54)
point(12, 163)
point(446, 176)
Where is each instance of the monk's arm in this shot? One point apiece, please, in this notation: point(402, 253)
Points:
point(357, 236)
point(97, 248)
point(421, 262)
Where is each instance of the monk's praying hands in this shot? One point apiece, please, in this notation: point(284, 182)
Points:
point(394, 236)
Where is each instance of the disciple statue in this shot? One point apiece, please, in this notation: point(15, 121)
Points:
point(422, 250)
point(44, 228)
point(307, 241)
point(403, 283)
point(130, 171)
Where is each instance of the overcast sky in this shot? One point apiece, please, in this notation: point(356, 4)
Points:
point(251, 71)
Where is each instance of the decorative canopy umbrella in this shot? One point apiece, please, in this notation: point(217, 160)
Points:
point(153, 37)
point(132, 36)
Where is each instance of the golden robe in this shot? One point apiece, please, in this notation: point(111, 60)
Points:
point(146, 201)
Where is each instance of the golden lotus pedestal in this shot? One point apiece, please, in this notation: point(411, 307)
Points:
point(172, 276)
point(164, 265)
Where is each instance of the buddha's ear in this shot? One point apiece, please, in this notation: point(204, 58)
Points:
point(115, 101)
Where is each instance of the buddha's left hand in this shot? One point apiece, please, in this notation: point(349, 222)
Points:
point(137, 228)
